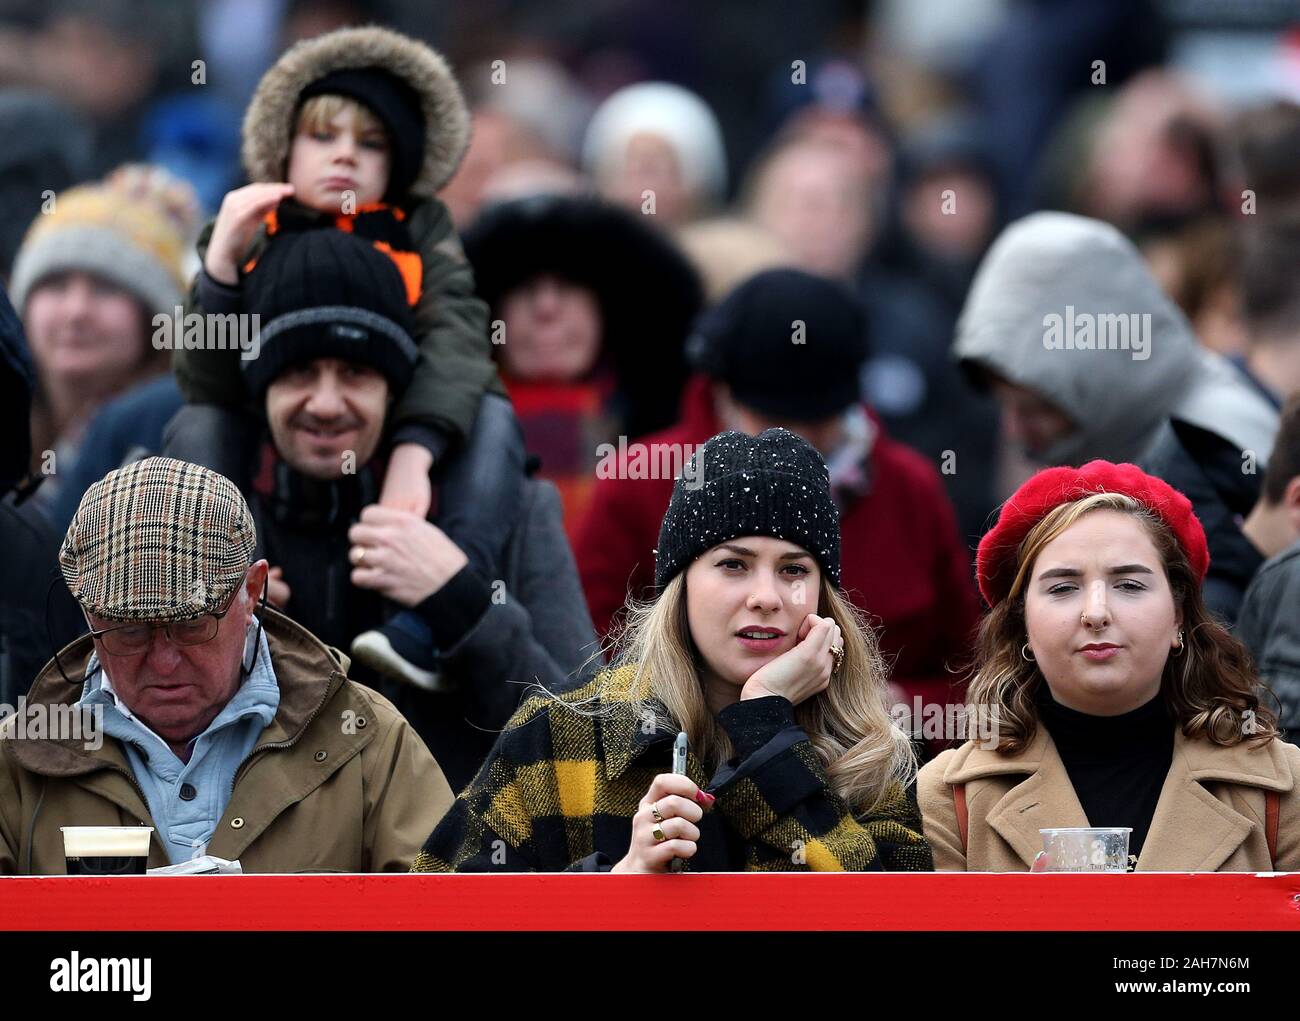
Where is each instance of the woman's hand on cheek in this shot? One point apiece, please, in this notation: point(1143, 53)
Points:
point(803, 671)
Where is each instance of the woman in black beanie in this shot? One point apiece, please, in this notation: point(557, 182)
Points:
point(751, 650)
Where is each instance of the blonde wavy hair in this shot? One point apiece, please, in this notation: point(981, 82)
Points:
point(848, 724)
point(1211, 689)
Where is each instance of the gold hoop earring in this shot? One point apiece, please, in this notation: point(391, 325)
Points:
point(1181, 647)
point(1024, 654)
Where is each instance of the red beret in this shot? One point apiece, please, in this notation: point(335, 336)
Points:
point(995, 563)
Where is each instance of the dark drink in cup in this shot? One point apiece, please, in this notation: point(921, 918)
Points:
point(106, 850)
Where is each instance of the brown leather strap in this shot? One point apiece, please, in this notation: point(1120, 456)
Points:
point(959, 800)
point(1271, 802)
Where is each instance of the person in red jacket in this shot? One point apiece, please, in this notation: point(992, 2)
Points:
point(785, 348)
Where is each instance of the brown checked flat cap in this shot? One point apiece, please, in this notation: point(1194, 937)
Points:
point(158, 540)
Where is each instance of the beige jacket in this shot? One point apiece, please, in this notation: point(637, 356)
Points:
point(1210, 816)
point(337, 782)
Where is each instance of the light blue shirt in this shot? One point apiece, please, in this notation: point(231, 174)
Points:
point(184, 827)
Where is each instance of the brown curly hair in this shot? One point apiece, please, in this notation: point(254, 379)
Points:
point(1211, 689)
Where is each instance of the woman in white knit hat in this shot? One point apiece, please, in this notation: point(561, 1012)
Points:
point(657, 148)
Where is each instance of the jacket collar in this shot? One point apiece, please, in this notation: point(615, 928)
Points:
point(288, 497)
point(624, 737)
point(308, 673)
point(1191, 831)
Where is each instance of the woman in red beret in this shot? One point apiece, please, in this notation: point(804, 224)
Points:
point(1116, 699)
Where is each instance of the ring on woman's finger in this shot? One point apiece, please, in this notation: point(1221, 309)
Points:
point(837, 651)
point(658, 834)
point(654, 810)
point(360, 555)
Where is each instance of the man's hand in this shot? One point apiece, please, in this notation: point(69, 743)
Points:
point(401, 556)
point(242, 210)
point(406, 482)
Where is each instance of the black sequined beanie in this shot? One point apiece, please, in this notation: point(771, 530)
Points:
point(773, 484)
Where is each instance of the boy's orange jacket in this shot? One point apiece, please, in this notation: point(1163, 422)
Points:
point(381, 224)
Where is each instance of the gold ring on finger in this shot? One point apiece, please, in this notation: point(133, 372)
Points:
point(361, 555)
point(654, 810)
point(658, 834)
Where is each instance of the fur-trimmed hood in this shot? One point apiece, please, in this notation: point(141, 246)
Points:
point(268, 123)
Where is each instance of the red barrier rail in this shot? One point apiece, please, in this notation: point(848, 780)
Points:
point(825, 902)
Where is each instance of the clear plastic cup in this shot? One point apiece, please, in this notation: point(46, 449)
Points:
point(106, 850)
point(1087, 848)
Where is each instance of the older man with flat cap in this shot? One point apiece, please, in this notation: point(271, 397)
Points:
point(230, 732)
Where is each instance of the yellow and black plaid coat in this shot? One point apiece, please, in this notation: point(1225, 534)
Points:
point(559, 790)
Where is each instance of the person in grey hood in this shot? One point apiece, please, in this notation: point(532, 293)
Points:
point(1090, 359)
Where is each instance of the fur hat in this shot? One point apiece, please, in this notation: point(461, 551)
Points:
point(995, 563)
point(269, 121)
point(647, 290)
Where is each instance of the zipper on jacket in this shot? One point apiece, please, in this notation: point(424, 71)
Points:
point(279, 744)
point(130, 776)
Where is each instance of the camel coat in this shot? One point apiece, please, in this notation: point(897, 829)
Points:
point(1210, 816)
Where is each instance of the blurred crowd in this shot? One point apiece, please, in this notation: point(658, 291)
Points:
point(658, 185)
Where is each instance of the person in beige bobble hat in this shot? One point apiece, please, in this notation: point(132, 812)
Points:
point(232, 731)
point(99, 263)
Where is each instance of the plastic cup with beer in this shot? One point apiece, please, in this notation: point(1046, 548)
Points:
point(106, 850)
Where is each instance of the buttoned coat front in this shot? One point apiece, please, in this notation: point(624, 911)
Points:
point(1210, 816)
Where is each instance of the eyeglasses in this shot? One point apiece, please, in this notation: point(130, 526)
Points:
point(134, 639)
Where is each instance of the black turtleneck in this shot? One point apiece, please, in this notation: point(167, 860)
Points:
point(1116, 764)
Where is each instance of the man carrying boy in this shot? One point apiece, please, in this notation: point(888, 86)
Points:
point(336, 353)
point(355, 131)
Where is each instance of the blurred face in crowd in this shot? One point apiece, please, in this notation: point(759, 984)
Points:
point(745, 600)
point(1100, 614)
point(99, 70)
point(1149, 157)
point(860, 140)
point(322, 411)
point(825, 434)
point(497, 141)
point(958, 229)
point(85, 333)
point(179, 689)
point(817, 200)
point(340, 149)
point(650, 164)
point(552, 330)
point(307, 21)
point(1029, 420)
